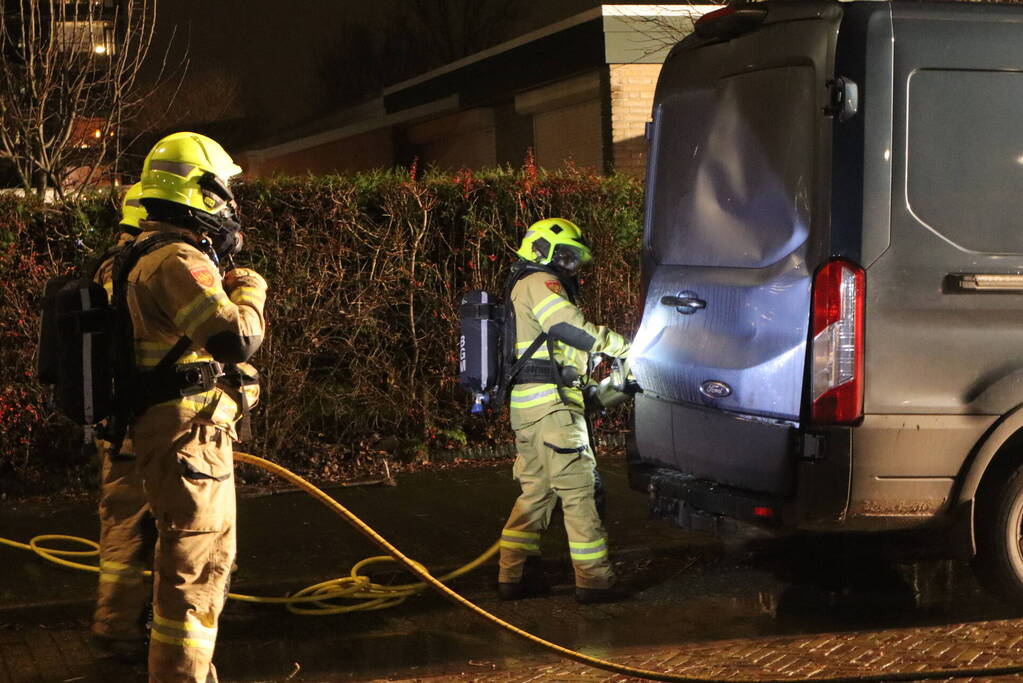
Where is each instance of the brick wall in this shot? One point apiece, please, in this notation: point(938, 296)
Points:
point(463, 140)
point(374, 149)
point(571, 132)
point(632, 96)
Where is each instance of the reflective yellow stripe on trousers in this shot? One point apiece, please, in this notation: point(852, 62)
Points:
point(117, 572)
point(520, 540)
point(183, 634)
point(588, 551)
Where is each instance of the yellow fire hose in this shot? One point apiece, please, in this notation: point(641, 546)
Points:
point(376, 596)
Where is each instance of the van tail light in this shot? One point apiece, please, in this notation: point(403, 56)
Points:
point(837, 374)
point(730, 21)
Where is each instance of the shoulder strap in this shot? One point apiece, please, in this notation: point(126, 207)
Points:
point(519, 270)
point(523, 268)
point(126, 375)
point(92, 266)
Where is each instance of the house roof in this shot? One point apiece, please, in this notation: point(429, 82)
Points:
point(609, 34)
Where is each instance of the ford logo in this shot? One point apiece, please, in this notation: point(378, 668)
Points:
point(715, 389)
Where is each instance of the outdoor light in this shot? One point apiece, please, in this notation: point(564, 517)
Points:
point(100, 49)
point(97, 133)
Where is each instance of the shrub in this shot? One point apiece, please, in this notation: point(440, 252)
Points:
point(365, 274)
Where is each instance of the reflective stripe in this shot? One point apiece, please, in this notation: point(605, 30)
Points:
point(133, 202)
point(195, 402)
point(529, 535)
point(590, 550)
point(548, 306)
point(256, 300)
point(110, 577)
point(552, 309)
point(516, 545)
point(616, 344)
point(220, 410)
point(176, 167)
point(527, 398)
point(207, 294)
point(540, 353)
point(520, 540)
point(190, 634)
point(148, 359)
point(181, 642)
point(199, 310)
point(116, 572)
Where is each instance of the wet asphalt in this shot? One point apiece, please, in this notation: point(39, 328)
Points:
point(688, 587)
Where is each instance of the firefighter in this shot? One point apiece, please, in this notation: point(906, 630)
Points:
point(554, 459)
point(127, 532)
point(188, 322)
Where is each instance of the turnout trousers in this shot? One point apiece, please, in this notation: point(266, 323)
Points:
point(554, 462)
point(127, 538)
point(187, 472)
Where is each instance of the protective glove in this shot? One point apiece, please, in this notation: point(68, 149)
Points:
point(607, 395)
point(243, 277)
point(622, 379)
point(245, 286)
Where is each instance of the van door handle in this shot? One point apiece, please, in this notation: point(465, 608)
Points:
point(987, 282)
point(685, 303)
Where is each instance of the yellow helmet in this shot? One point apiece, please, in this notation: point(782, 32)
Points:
point(132, 210)
point(190, 170)
point(544, 239)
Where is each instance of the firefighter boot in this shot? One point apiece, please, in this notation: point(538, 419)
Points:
point(533, 583)
point(613, 593)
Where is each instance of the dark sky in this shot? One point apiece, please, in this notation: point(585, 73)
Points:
point(270, 48)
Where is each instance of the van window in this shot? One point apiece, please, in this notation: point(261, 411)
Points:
point(733, 170)
point(965, 166)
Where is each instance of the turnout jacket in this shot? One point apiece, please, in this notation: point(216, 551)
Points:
point(541, 306)
point(177, 290)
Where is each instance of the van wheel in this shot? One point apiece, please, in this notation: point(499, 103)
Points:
point(999, 533)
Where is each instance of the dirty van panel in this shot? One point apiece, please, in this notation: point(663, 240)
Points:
point(737, 206)
point(956, 211)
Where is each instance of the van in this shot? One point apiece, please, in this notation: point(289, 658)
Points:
point(832, 332)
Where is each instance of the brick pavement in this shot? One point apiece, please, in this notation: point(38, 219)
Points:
point(965, 645)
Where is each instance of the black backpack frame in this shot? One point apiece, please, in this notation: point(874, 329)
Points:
point(86, 345)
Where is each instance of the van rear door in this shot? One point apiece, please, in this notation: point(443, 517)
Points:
point(738, 193)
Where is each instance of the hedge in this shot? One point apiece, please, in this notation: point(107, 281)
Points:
point(365, 274)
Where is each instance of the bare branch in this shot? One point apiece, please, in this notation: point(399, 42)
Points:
point(69, 84)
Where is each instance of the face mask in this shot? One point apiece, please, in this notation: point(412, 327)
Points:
point(566, 259)
point(227, 242)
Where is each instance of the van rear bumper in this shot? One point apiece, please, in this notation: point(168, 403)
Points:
point(703, 505)
point(736, 451)
point(705, 468)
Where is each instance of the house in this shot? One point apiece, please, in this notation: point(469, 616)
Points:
point(577, 91)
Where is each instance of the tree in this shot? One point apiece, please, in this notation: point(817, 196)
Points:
point(69, 87)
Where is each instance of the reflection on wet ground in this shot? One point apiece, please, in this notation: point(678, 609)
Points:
point(780, 587)
point(688, 587)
